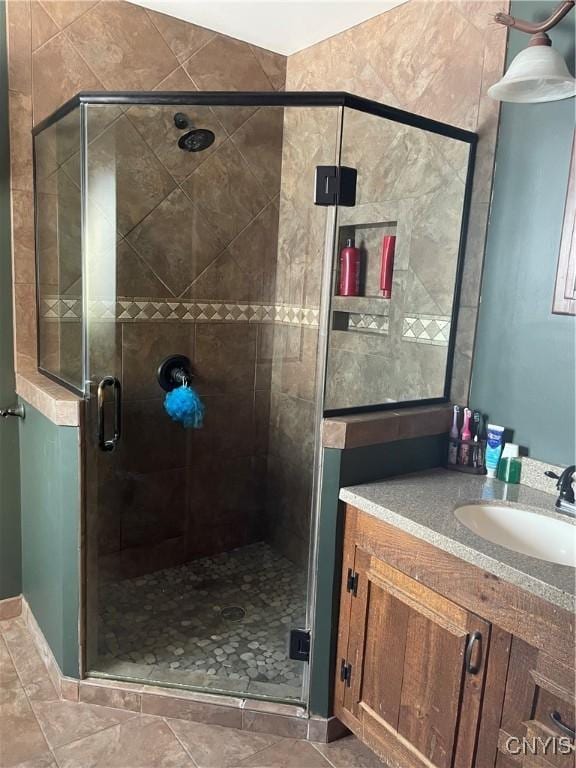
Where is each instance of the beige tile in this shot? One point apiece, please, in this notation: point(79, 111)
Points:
point(183, 38)
point(20, 106)
point(198, 708)
point(141, 181)
point(29, 665)
point(255, 252)
point(154, 508)
point(64, 12)
point(110, 696)
point(20, 736)
point(25, 319)
point(69, 689)
point(59, 72)
point(45, 760)
point(349, 753)
point(474, 255)
point(226, 192)
point(178, 80)
point(287, 754)
point(225, 357)
point(273, 64)
point(212, 746)
point(145, 742)
point(19, 51)
point(259, 141)
point(279, 725)
point(226, 64)
point(56, 403)
point(43, 26)
point(23, 237)
point(66, 721)
point(177, 241)
point(10, 608)
point(223, 280)
point(132, 62)
point(145, 426)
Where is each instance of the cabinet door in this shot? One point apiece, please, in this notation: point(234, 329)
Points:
point(539, 716)
point(414, 670)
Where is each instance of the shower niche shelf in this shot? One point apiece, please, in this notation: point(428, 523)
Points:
point(367, 312)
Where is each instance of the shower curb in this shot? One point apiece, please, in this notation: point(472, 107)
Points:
point(255, 716)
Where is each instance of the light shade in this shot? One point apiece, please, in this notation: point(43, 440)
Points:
point(538, 73)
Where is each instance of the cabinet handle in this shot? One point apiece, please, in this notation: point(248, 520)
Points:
point(557, 720)
point(104, 444)
point(473, 668)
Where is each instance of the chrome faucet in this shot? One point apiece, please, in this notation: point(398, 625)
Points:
point(565, 501)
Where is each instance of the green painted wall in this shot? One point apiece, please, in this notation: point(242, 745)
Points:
point(50, 498)
point(10, 565)
point(525, 357)
point(342, 468)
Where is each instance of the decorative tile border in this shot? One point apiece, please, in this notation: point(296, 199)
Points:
point(150, 309)
point(426, 329)
point(378, 324)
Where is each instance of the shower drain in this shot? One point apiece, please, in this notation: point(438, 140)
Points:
point(233, 613)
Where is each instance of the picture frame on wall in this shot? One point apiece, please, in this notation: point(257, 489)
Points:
point(565, 288)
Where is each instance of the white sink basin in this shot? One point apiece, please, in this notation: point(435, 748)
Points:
point(522, 531)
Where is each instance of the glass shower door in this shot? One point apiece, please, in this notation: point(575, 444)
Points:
point(202, 241)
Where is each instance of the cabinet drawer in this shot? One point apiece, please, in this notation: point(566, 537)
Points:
point(538, 718)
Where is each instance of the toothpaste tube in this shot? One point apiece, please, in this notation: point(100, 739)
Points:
point(493, 448)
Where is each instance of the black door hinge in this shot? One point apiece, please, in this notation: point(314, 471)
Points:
point(335, 185)
point(352, 582)
point(346, 673)
point(299, 649)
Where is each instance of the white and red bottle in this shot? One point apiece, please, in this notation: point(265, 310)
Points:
point(349, 270)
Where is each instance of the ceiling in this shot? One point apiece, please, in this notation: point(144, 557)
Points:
point(284, 26)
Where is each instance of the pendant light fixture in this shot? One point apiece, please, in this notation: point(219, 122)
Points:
point(538, 73)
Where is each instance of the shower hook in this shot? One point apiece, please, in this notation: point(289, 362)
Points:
point(175, 371)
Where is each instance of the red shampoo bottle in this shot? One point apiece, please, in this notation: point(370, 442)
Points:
point(349, 270)
point(387, 265)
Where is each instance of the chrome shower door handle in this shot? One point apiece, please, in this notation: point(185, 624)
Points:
point(103, 443)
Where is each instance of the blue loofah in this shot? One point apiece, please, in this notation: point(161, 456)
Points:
point(183, 404)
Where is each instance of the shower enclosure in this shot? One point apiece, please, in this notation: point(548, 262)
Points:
point(208, 225)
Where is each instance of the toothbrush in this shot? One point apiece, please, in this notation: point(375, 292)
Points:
point(477, 449)
point(466, 434)
point(453, 444)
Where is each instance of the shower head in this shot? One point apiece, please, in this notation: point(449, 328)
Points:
point(196, 140)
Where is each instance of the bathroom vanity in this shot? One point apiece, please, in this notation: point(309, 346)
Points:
point(452, 649)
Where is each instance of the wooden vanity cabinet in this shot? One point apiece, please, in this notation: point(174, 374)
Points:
point(421, 677)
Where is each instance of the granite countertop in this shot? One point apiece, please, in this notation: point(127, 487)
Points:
point(422, 504)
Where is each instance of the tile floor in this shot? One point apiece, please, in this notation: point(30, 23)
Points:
point(38, 730)
point(220, 622)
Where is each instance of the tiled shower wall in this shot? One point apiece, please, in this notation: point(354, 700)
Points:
point(437, 59)
point(156, 500)
point(411, 183)
point(59, 47)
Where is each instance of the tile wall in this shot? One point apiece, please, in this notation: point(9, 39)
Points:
point(436, 59)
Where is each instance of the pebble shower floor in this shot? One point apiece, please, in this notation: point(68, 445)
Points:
point(220, 622)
